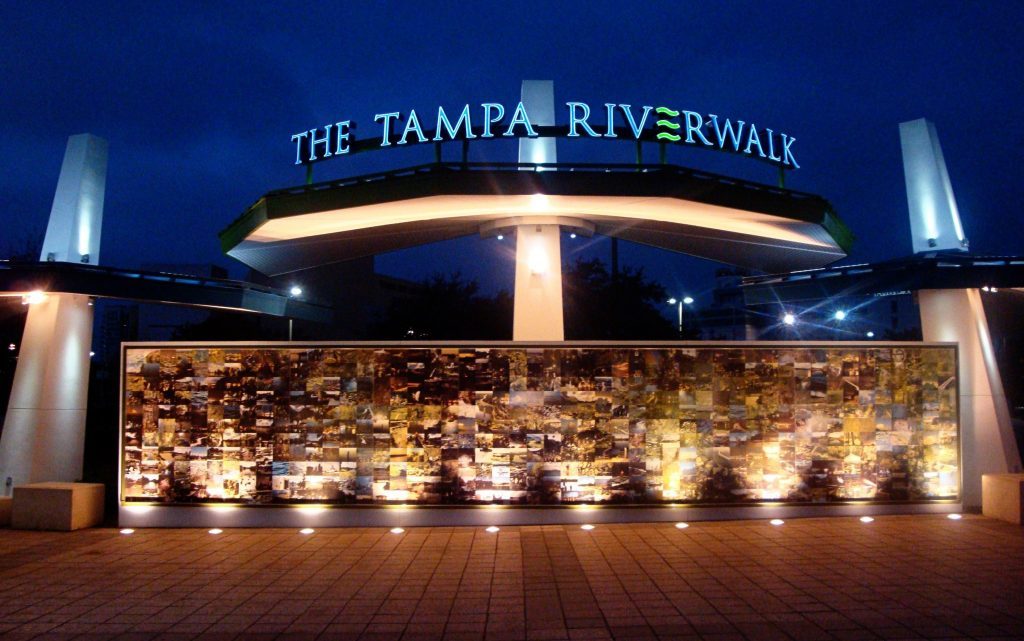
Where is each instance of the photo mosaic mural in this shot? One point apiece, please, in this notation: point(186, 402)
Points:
point(451, 425)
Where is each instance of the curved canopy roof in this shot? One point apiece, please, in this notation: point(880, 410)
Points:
point(723, 219)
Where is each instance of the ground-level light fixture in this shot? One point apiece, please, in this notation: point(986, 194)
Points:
point(777, 522)
point(216, 530)
point(788, 319)
point(682, 526)
point(295, 290)
point(867, 519)
point(397, 530)
point(306, 530)
point(493, 529)
point(954, 517)
point(870, 334)
point(587, 527)
point(127, 530)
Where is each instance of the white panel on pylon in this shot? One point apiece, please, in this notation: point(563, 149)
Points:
point(538, 97)
point(76, 218)
point(934, 218)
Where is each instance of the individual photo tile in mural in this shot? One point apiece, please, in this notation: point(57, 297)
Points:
point(517, 425)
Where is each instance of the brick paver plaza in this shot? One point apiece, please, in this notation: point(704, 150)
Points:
point(900, 577)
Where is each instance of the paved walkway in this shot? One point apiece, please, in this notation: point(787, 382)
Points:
point(900, 577)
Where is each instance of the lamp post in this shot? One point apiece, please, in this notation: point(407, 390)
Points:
point(685, 300)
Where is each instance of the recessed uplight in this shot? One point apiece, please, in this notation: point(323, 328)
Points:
point(777, 522)
point(397, 530)
point(216, 530)
point(127, 530)
point(867, 519)
point(306, 530)
point(493, 528)
point(682, 526)
point(587, 527)
point(954, 517)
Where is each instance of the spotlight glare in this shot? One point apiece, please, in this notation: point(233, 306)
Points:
point(866, 519)
point(870, 334)
point(672, 301)
point(788, 319)
point(587, 527)
point(493, 528)
point(682, 526)
point(34, 297)
point(840, 315)
point(954, 517)
point(397, 530)
point(777, 522)
point(216, 531)
point(687, 300)
point(295, 290)
point(127, 530)
point(306, 530)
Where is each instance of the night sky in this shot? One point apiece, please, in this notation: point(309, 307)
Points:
point(199, 101)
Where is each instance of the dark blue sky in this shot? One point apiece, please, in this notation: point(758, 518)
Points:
point(199, 100)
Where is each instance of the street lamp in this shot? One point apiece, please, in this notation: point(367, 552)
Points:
point(685, 300)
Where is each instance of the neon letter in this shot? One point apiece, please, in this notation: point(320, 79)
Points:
point(488, 121)
point(442, 119)
point(297, 139)
point(575, 120)
point(413, 124)
point(611, 120)
point(519, 117)
point(753, 139)
point(637, 129)
point(771, 146)
point(787, 153)
point(385, 139)
point(727, 130)
point(694, 122)
point(325, 141)
point(341, 146)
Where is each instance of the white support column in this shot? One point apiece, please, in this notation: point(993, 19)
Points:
point(987, 443)
point(538, 296)
point(538, 293)
point(76, 218)
point(934, 217)
point(44, 429)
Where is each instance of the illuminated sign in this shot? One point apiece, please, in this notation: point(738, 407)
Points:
point(623, 121)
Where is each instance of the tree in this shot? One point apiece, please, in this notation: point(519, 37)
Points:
point(446, 308)
point(599, 306)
